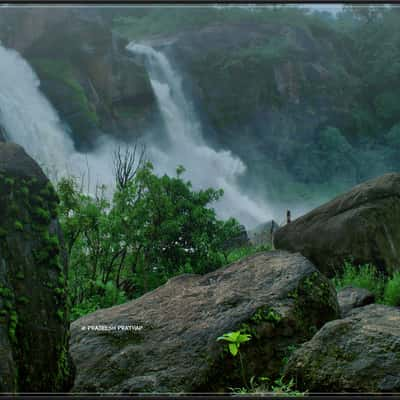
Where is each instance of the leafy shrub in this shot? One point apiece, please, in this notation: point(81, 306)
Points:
point(153, 228)
point(362, 276)
point(108, 296)
point(391, 295)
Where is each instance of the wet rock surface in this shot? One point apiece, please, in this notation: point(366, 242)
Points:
point(277, 297)
point(353, 297)
point(360, 353)
point(34, 320)
point(361, 225)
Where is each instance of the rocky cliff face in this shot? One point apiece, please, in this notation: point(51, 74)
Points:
point(267, 89)
point(34, 319)
point(84, 70)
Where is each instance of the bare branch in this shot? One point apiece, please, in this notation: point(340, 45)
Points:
point(126, 163)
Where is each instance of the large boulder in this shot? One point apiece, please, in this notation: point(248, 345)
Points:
point(360, 353)
point(352, 297)
point(34, 320)
point(277, 297)
point(362, 224)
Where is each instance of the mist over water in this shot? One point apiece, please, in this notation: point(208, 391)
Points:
point(30, 121)
point(204, 166)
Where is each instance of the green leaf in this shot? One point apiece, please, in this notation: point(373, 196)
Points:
point(233, 348)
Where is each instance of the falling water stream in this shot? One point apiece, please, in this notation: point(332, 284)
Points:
point(205, 167)
point(31, 121)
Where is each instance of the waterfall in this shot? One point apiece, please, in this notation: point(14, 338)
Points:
point(30, 121)
point(204, 166)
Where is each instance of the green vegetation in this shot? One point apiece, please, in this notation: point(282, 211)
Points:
point(264, 385)
point(18, 226)
point(143, 22)
point(297, 60)
point(385, 288)
point(154, 227)
point(391, 295)
point(261, 384)
point(237, 254)
point(235, 339)
point(64, 72)
point(363, 276)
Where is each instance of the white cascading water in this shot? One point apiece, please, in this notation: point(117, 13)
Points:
point(204, 166)
point(30, 121)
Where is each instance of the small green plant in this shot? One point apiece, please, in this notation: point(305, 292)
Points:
point(235, 339)
point(263, 385)
point(273, 316)
point(266, 314)
point(391, 294)
point(281, 388)
point(290, 349)
point(18, 226)
point(60, 315)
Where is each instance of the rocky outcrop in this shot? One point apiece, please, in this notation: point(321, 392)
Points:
point(277, 297)
point(34, 320)
point(263, 233)
point(361, 225)
point(84, 70)
point(359, 353)
point(353, 297)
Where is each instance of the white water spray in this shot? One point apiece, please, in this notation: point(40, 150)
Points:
point(30, 121)
point(205, 167)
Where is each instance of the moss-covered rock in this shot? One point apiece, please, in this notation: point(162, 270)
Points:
point(277, 297)
point(34, 324)
point(360, 353)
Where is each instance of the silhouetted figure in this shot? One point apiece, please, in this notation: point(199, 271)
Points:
point(288, 217)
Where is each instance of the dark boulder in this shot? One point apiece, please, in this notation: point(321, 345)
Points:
point(353, 297)
point(277, 297)
point(34, 320)
point(360, 353)
point(362, 225)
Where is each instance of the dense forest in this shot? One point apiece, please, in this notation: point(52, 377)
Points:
point(315, 94)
